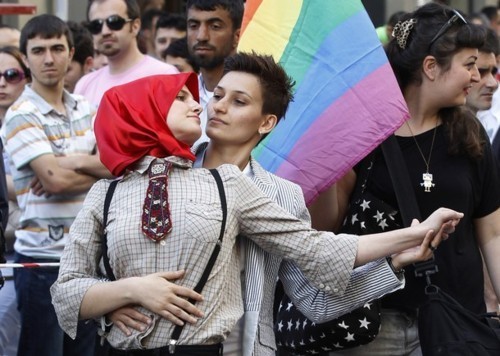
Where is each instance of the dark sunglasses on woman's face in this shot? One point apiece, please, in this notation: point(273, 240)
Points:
point(12, 75)
point(114, 22)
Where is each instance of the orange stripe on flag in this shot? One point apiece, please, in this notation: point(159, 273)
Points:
point(250, 10)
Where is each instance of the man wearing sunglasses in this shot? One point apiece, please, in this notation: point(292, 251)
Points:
point(115, 25)
point(47, 134)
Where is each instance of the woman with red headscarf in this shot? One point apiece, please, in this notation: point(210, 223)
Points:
point(165, 216)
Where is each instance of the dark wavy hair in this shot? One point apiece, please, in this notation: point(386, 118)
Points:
point(463, 130)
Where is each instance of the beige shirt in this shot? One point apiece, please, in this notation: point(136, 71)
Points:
point(327, 259)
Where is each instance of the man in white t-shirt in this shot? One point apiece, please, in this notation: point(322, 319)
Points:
point(115, 25)
point(213, 33)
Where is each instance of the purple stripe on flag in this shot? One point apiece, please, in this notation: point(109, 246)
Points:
point(376, 119)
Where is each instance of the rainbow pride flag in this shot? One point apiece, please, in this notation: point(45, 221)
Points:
point(347, 100)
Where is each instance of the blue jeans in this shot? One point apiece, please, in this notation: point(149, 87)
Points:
point(40, 331)
point(398, 336)
point(10, 323)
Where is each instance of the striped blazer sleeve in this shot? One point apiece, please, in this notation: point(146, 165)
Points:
point(367, 282)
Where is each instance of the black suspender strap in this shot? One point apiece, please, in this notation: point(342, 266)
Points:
point(211, 262)
point(104, 236)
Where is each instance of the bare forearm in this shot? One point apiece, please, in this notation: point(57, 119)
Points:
point(103, 298)
point(492, 262)
point(93, 166)
point(376, 246)
point(85, 164)
point(11, 191)
point(69, 183)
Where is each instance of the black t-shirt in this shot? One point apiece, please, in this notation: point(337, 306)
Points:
point(463, 184)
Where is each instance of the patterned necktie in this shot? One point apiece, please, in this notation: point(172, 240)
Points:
point(156, 223)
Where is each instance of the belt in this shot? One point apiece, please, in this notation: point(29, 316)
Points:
point(180, 350)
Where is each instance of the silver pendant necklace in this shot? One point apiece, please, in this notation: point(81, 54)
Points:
point(426, 177)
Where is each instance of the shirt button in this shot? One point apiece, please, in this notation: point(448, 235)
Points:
point(327, 288)
point(335, 290)
point(322, 286)
point(163, 243)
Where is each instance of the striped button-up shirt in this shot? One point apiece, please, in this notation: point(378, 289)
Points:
point(33, 128)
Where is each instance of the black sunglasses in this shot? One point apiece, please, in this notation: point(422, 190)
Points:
point(114, 22)
point(456, 17)
point(12, 75)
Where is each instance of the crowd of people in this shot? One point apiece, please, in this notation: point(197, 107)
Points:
point(127, 145)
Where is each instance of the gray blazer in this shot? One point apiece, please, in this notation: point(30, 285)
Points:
point(262, 270)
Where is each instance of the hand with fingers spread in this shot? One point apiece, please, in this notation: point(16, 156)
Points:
point(157, 293)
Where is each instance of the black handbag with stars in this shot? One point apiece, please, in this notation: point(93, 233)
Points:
point(295, 333)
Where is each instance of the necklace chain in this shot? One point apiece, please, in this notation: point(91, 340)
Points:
point(426, 161)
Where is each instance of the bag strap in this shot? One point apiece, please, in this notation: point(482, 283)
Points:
point(364, 174)
point(104, 236)
point(211, 262)
point(405, 195)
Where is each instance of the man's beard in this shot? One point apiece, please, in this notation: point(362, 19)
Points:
point(209, 62)
point(109, 50)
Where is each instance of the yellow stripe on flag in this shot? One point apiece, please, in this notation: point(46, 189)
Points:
point(264, 34)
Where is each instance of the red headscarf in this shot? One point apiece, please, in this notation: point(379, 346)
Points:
point(131, 121)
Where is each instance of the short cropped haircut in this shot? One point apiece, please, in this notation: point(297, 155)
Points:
point(45, 26)
point(84, 45)
point(176, 21)
point(133, 10)
point(275, 83)
point(234, 7)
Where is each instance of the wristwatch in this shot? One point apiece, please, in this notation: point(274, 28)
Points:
point(400, 272)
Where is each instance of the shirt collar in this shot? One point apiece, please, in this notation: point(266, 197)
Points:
point(200, 157)
point(143, 164)
point(43, 106)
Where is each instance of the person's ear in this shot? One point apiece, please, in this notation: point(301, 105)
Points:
point(236, 38)
point(25, 61)
point(430, 67)
point(136, 26)
point(268, 124)
point(71, 53)
point(88, 65)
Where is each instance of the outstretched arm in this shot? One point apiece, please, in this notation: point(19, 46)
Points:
point(367, 282)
